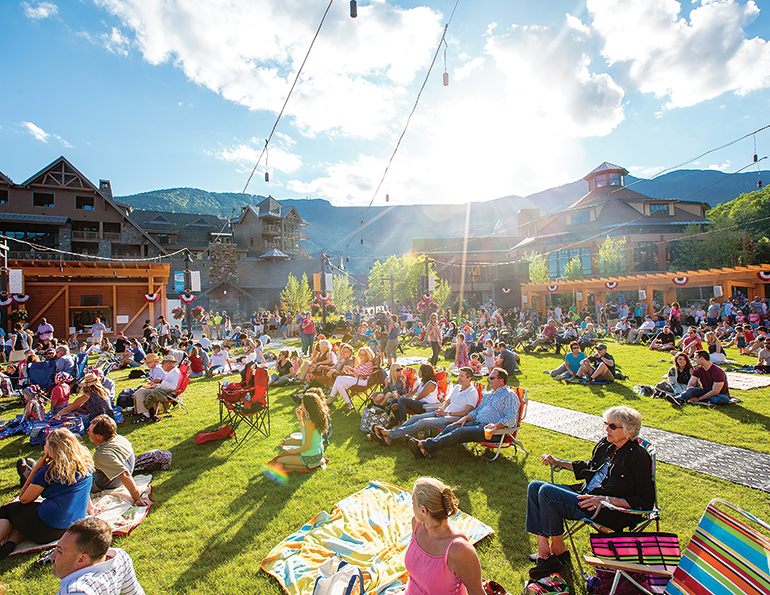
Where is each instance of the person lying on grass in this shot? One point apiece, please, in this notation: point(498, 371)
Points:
point(313, 417)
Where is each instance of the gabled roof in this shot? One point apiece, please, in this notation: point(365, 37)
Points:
point(5, 179)
point(281, 212)
point(63, 174)
point(228, 284)
point(604, 167)
point(606, 193)
point(275, 253)
point(269, 205)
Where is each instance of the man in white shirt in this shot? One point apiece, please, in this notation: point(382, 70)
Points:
point(159, 396)
point(159, 381)
point(86, 564)
point(647, 328)
point(463, 398)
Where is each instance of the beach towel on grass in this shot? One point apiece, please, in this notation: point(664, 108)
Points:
point(746, 381)
point(370, 529)
point(118, 511)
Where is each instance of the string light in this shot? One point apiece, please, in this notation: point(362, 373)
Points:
point(353, 9)
point(759, 174)
point(446, 74)
point(267, 171)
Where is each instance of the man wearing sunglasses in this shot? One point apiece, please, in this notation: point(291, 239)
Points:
point(499, 409)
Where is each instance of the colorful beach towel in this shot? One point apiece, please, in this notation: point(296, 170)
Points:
point(118, 511)
point(370, 529)
point(746, 381)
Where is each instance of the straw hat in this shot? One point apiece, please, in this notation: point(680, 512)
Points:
point(151, 357)
point(89, 379)
point(169, 358)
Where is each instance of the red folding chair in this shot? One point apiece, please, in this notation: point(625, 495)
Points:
point(184, 380)
point(246, 403)
point(506, 437)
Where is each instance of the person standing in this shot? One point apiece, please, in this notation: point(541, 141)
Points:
point(45, 332)
point(307, 333)
point(433, 336)
point(97, 332)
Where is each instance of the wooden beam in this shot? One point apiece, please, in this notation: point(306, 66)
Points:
point(115, 307)
point(138, 313)
point(48, 305)
point(67, 307)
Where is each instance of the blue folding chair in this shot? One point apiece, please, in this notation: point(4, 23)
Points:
point(41, 373)
point(81, 359)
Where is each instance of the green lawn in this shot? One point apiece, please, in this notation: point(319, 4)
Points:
point(216, 517)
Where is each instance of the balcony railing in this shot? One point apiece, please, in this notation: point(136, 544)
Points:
point(268, 229)
point(85, 235)
point(303, 236)
point(112, 235)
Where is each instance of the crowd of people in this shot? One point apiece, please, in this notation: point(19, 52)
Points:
point(482, 343)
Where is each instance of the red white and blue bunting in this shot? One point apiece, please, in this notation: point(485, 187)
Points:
point(764, 275)
point(6, 303)
point(611, 285)
point(427, 297)
point(681, 281)
point(21, 298)
point(505, 290)
point(186, 299)
point(553, 288)
point(324, 297)
point(151, 297)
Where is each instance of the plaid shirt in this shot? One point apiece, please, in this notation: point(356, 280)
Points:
point(500, 406)
point(6, 388)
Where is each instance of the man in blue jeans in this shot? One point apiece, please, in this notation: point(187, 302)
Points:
point(713, 381)
point(499, 409)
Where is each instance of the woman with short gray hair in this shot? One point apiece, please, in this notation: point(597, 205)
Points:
point(618, 474)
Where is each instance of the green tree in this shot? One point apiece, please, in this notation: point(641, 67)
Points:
point(443, 294)
point(612, 257)
point(405, 272)
point(573, 271)
point(720, 244)
point(343, 294)
point(297, 295)
point(538, 267)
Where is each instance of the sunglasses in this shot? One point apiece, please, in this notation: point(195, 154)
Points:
point(399, 369)
point(492, 377)
point(612, 426)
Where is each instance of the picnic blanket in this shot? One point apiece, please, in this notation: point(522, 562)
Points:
point(411, 360)
point(118, 511)
point(370, 529)
point(746, 381)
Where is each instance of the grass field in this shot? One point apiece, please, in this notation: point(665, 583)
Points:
point(216, 517)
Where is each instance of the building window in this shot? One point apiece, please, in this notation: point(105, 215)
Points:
point(85, 203)
point(659, 210)
point(646, 256)
point(164, 238)
point(601, 180)
point(90, 300)
point(616, 180)
point(42, 199)
point(582, 217)
point(557, 261)
point(3, 197)
point(251, 242)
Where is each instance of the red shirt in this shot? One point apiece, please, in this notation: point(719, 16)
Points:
point(709, 377)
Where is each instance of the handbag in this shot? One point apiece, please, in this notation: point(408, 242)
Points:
point(374, 415)
point(651, 549)
point(553, 583)
point(337, 577)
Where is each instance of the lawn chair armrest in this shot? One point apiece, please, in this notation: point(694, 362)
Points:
point(506, 431)
point(629, 510)
point(610, 564)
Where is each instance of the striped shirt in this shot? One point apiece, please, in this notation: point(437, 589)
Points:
point(363, 370)
point(114, 576)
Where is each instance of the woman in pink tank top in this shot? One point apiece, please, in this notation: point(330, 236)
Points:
point(440, 559)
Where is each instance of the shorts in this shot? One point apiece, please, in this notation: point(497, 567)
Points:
point(391, 347)
point(741, 342)
point(607, 376)
point(312, 461)
point(24, 519)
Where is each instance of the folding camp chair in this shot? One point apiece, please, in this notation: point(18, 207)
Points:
point(725, 556)
point(375, 382)
point(41, 373)
point(81, 359)
point(175, 398)
point(505, 437)
point(246, 404)
point(646, 517)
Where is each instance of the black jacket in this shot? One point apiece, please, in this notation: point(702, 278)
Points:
point(629, 477)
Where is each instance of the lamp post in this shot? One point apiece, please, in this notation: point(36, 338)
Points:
point(4, 286)
point(187, 292)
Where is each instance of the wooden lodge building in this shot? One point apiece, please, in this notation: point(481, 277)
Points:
point(609, 209)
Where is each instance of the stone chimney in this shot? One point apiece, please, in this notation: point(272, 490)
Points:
point(223, 263)
point(105, 188)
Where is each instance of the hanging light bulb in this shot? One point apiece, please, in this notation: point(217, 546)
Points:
point(446, 74)
point(387, 198)
point(759, 182)
point(267, 156)
point(353, 9)
point(362, 241)
point(347, 259)
point(446, 78)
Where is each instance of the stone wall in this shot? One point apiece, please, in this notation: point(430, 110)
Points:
point(129, 234)
point(65, 237)
point(105, 248)
point(223, 263)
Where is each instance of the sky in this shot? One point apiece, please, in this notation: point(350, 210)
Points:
point(154, 94)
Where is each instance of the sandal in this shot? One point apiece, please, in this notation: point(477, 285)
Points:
point(380, 437)
point(142, 419)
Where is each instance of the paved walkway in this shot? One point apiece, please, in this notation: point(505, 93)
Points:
point(738, 465)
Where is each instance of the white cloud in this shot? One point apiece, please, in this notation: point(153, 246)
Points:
point(250, 50)
point(115, 42)
point(42, 10)
point(550, 83)
point(724, 167)
point(643, 171)
point(465, 70)
point(42, 135)
point(36, 131)
point(686, 60)
point(246, 155)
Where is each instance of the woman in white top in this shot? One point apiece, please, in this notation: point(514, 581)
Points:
point(424, 393)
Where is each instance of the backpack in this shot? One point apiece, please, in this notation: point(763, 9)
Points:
point(550, 584)
point(337, 577)
point(134, 374)
point(152, 460)
point(374, 415)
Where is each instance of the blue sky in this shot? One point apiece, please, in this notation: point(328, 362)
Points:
point(159, 93)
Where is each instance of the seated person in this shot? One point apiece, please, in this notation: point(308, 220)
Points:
point(158, 396)
point(678, 377)
point(6, 384)
point(64, 361)
point(313, 417)
point(691, 342)
point(424, 393)
point(506, 359)
point(713, 383)
point(283, 370)
point(476, 364)
point(571, 366)
point(647, 328)
point(133, 356)
point(197, 366)
point(461, 400)
point(621, 329)
point(499, 409)
point(763, 357)
point(589, 337)
point(599, 367)
point(113, 460)
point(569, 335)
point(715, 349)
point(85, 562)
point(94, 400)
point(547, 336)
point(396, 386)
point(156, 377)
point(60, 394)
point(205, 342)
point(619, 473)
point(219, 361)
point(753, 347)
point(350, 377)
point(665, 341)
point(34, 403)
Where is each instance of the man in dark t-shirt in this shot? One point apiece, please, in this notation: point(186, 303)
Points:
point(599, 367)
point(505, 359)
point(713, 381)
point(665, 341)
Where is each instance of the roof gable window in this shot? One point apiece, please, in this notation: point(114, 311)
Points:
point(581, 217)
point(85, 203)
point(201, 223)
point(659, 210)
point(3, 197)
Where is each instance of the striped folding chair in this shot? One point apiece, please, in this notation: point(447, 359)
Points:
point(726, 556)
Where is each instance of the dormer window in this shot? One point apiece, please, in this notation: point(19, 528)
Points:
point(659, 210)
point(582, 217)
point(616, 179)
